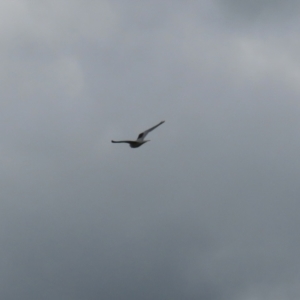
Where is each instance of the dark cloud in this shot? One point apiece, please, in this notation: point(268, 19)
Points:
point(259, 12)
point(206, 210)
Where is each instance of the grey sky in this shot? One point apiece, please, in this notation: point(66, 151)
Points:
point(209, 209)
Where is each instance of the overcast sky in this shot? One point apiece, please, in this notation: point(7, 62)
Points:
point(209, 209)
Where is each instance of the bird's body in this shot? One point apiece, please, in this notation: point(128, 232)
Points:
point(141, 138)
point(132, 144)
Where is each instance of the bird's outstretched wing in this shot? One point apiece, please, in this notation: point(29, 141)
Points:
point(121, 141)
point(143, 134)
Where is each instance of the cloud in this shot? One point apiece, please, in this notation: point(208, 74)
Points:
point(207, 210)
point(245, 12)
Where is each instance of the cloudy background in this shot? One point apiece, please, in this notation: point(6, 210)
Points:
point(209, 209)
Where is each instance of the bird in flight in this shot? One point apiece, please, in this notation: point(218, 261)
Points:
point(141, 138)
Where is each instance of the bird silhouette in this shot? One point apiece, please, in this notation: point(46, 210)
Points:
point(141, 138)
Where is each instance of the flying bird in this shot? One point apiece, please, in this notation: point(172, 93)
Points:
point(141, 138)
